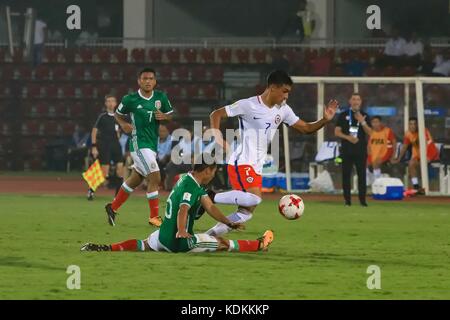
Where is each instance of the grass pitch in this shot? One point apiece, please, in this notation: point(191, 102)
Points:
point(324, 255)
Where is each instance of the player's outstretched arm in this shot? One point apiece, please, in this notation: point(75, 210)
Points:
point(215, 118)
point(121, 120)
point(311, 127)
point(217, 215)
point(181, 222)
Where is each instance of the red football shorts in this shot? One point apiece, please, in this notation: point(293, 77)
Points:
point(243, 177)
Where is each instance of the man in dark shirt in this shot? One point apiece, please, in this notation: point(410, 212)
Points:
point(352, 127)
point(105, 141)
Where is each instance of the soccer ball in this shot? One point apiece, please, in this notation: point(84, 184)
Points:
point(291, 206)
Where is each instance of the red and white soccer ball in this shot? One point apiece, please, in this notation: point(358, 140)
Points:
point(291, 206)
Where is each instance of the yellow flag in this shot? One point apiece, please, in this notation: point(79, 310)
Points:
point(94, 175)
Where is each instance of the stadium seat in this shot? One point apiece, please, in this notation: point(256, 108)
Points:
point(173, 92)
point(182, 73)
point(407, 71)
point(372, 71)
point(78, 73)
point(6, 72)
point(138, 55)
point(113, 72)
point(51, 91)
point(207, 55)
point(173, 55)
point(190, 55)
point(95, 73)
point(129, 72)
point(182, 108)
point(260, 55)
point(165, 72)
point(87, 91)
point(310, 54)
point(155, 55)
point(60, 72)
point(119, 56)
point(17, 56)
point(75, 110)
point(30, 128)
point(338, 71)
point(364, 55)
point(103, 90)
point(224, 55)
point(198, 73)
point(66, 91)
point(68, 55)
point(192, 91)
point(24, 73)
point(209, 91)
point(242, 55)
point(32, 90)
point(121, 90)
point(49, 128)
point(84, 55)
point(102, 55)
point(216, 73)
point(389, 71)
point(42, 72)
point(5, 129)
point(344, 56)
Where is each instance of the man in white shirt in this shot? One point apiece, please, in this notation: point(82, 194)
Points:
point(414, 50)
point(40, 35)
point(394, 49)
point(259, 118)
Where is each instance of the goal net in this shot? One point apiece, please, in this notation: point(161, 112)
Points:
point(395, 99)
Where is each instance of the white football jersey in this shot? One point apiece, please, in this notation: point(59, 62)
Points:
point(257, 126)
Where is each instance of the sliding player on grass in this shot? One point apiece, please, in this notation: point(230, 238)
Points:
point(176, 233)
point(259, 118)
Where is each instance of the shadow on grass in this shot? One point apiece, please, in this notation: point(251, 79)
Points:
point(20, 262)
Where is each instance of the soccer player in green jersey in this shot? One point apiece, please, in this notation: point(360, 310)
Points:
point(147, 108)
point(176, 233)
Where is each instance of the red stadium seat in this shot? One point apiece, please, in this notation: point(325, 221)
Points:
point(30, 128)
point(210, 91)
point(32, 90)
point(85, 54)
point(24, 72)
point(50, 55)
point(68, 128)
point(75, 110)
point(49, 128)
point(407, 71)
point(155, 55)
point(103, 90)
point(119, 56)
point(198, 73)
point(59, 110)
point(7, 72)
point(207, 55)
point(121, 91)
point(129, 72)
point(51, 91)
point(42, 72)
point(102, 55)
point(165, 73)
point(60, 73)
point(173, 55)
point(260, 55)
point(79, 73)
point(96, 73)
point(87, 91)
point(310, 54)
point(138, 55)
point(173, 92)
point(68, 91)
point(68, 55)
point(216, 73)
point(338, 71)
point(182, 73)
point(17, 56)
point(364, 55)
point(113, 72)
point(192, 91)
point(372, 72)
point(389, 71)
point(224, 55)
point(182, 109)
point(243, 55)
point(190, 55)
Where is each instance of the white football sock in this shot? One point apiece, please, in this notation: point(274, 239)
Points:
point(377, 173)
point(415, 180)
point(240, 198)
point(221, 228)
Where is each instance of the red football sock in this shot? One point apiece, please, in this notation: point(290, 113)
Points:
point(121, 197)
point(248, 245)
point(153, 203)
point(128, 245)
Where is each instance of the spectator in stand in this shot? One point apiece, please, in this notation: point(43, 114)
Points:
point(321, 66)
point(78, 149)
point(394, 50)
point(413, 50)
point(442, 66)
point(164, 149)
point(427, 64)
point(355, 67)
point(86, 37)
point(40, 36)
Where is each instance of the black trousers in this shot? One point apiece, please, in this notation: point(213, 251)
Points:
point(359, 161)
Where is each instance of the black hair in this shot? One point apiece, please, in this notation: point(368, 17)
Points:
point(279, 78)
point(199, 167)
point(146, 70)
point(376, 117)
point(356, 94)
point(412, 119)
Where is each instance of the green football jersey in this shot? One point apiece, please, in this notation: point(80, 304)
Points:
point(186, 191)
point(142, 112)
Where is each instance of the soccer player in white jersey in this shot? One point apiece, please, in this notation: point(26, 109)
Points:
point(259, 117)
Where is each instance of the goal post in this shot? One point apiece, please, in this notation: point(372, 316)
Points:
point(418, 82)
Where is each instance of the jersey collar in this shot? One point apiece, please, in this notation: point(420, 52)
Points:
point(190, 175)
point(139, 91)
point(265, 105)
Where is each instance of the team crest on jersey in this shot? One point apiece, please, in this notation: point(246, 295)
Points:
point(187, 196)
point(158, 104)
point(250, 179)
point(277, 119)
point(139, 107)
